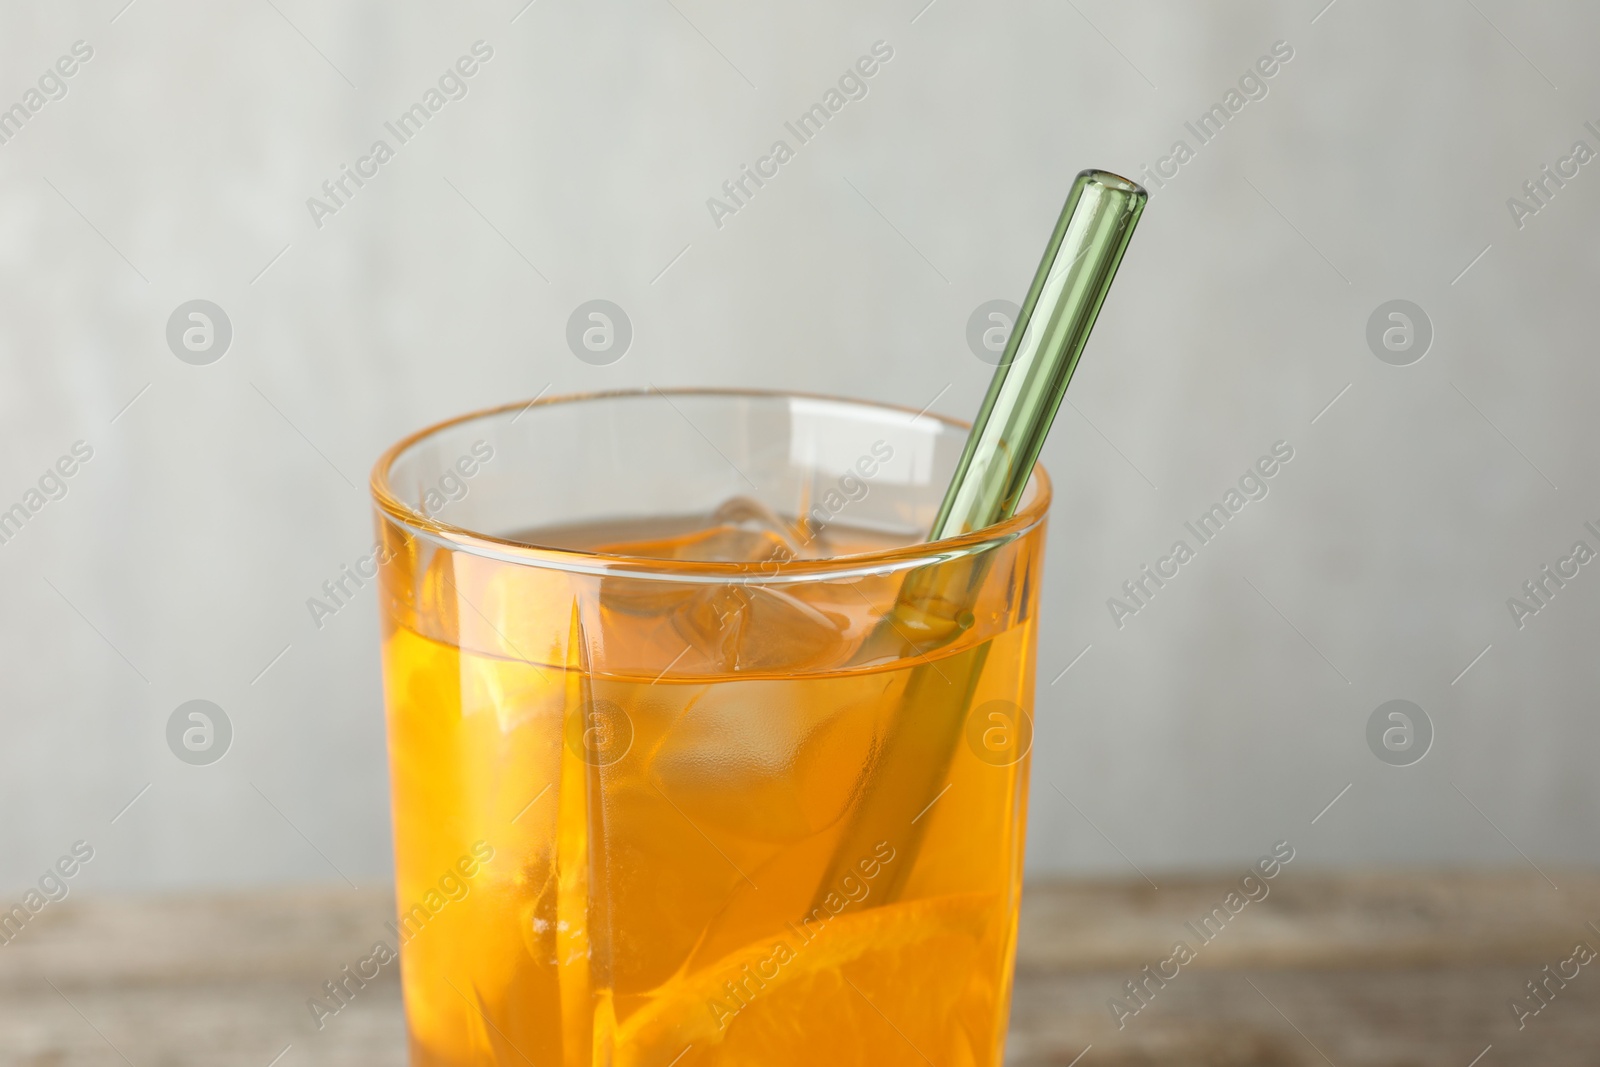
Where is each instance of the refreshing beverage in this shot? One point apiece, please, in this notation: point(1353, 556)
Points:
point(678, 776)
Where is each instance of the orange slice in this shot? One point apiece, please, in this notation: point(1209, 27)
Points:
point(894, 984)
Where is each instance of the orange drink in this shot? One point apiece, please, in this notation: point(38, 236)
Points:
point(702, 787)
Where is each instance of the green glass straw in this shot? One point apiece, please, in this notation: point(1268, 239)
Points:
point(1050, 332)
point(934, 604)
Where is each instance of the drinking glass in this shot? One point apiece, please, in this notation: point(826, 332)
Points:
point(681, 773)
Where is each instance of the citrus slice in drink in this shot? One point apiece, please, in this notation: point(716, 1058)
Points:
point(874, 986)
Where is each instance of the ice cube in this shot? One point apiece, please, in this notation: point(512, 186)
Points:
point(754, 517)
point(771, 759)
point(740, 530)
point(734, 626)
point(761, 628)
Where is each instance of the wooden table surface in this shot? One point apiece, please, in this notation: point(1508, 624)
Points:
point(1387, 971)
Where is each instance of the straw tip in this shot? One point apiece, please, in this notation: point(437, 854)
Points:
point(1109, 180)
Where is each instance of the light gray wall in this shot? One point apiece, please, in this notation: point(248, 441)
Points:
point(1222, 717)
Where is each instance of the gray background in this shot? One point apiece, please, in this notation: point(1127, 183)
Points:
point(1223, 717)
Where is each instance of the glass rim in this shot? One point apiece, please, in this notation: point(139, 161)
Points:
point(1035, 505)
